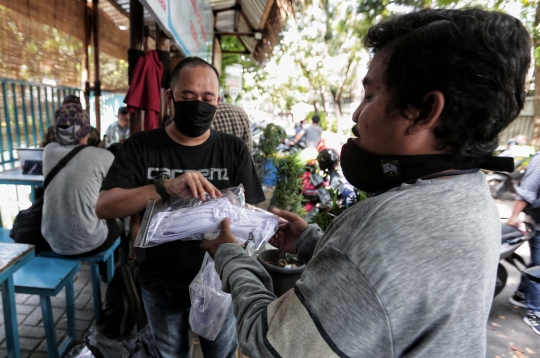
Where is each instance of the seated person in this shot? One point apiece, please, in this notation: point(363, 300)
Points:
point(118, 132)
point(70, 225)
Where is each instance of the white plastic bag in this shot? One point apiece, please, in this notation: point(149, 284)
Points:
point(209, 304)
point(192, 219)
point(187, 218)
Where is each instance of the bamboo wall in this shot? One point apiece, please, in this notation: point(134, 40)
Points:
point(41, 40)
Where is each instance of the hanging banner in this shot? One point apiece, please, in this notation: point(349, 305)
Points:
point(233, 80)
point(190, 23)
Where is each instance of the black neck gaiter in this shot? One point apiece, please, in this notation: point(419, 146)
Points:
point(375, 173)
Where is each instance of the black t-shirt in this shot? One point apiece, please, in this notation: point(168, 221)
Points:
point(223, 159)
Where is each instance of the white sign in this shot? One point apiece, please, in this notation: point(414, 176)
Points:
point(234, 94)
point(190, 23)
point(192, 26)
point(233, 80)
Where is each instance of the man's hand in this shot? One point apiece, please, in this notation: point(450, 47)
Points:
point(195, 183)
point(514, 221)
point(225, 237)
point(287, 234)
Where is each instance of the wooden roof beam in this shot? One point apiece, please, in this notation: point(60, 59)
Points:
point(266, 13)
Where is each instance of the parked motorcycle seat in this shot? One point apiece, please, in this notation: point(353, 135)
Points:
point(509, 232)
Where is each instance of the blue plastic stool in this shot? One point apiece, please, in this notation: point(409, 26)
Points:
point(104, 256)
point(46, 277)
point(4, 236)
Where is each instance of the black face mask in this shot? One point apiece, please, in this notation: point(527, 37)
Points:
point(193, 118)
point(375, 173)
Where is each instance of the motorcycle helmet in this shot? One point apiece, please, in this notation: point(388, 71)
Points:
point(328, 159)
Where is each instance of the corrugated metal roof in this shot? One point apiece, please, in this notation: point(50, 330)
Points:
point(254, 11)
point(243, 26)
point(222, 4)
point(225, 20)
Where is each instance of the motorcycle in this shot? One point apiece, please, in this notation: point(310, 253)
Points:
point(502, 182)
point(511, 239)
point(318, 189)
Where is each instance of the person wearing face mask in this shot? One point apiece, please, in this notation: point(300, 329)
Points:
point(187, 158)
point(409, 272)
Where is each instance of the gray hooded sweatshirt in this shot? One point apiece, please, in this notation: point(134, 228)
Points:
point(408, 273)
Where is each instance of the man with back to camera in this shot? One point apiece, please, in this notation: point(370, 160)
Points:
point(409, 272)
point(70, 225)
point(187, 157)
point(310, 134)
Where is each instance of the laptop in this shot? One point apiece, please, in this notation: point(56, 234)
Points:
point(31, 160)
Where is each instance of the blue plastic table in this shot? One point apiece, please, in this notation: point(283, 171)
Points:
point(12, 258)
point(16, 177)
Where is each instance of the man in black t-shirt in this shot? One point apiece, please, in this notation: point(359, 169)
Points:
point(185, 157)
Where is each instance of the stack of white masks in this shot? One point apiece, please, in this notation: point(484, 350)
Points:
point(252, 227)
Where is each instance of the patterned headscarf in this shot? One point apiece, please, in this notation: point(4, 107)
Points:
point(71, 123)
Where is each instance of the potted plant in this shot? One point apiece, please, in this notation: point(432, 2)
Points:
point(284, 268)
point(271, 137)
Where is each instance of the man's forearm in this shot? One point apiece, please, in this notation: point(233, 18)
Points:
point(250, 286)
point(119, 203)
point(519, 206)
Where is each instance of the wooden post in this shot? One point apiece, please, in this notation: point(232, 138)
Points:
point(86, 62)
point(136, 42)
point(163, 44)
point(97, 82)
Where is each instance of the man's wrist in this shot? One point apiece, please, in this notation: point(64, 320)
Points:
point(161, 187)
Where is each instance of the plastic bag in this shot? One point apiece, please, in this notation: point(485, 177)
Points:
point(209, 304)
point(194, 219)
point(186, 218)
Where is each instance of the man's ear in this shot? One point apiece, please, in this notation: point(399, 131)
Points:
point(427, 117)
point(168, 96)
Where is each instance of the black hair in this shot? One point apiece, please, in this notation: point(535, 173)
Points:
point(479, 61)
point(123, 110)
point(94, 139)
point(315, 119)
point(71, 98)
point(189, 62)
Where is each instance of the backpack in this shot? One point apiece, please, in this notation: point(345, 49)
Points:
point(123, 303)
point(27, 225)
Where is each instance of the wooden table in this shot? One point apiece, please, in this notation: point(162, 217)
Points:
point(12, 258)
point(16, 177)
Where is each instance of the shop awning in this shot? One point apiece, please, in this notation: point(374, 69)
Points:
point(256, 23)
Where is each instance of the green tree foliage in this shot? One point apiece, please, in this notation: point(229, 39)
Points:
point(328, 48)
